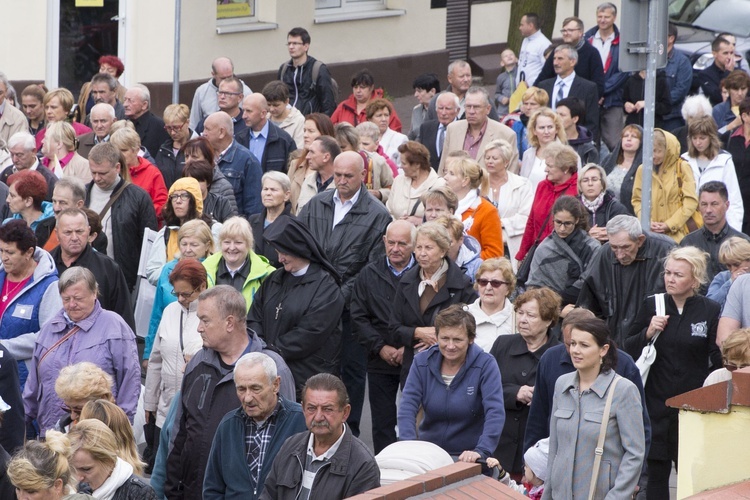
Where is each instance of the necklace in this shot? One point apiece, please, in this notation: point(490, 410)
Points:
point(7, 291)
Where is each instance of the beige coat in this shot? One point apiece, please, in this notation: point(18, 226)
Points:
point(78, 167)
point(456, 133)
point(12, 121)
point(404, 197)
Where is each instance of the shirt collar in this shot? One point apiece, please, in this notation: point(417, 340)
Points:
point(247, 419)
point(399, 273)
point(568, 80)
point(354, 199)
point(330, 452)
point(263, 132)
point(718, 236)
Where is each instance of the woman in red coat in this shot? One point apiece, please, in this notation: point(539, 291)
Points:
point(562, 179)
point(353, 109)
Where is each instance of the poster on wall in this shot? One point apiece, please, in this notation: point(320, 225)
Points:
point(229, 9)
point(89, 3)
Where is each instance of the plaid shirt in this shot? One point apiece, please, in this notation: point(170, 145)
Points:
point(257, 437)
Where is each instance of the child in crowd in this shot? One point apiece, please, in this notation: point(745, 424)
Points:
point(534, 471)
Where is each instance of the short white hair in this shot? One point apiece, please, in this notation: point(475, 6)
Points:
point(257, 358)
point(105, 107)
point(695, 106)
point(144, 92)
point(24, 139)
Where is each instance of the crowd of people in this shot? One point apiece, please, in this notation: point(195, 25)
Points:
point(487, 264)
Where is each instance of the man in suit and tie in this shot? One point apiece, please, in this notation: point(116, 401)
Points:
point(568, 84)
point(477, 130)
point(432, 132)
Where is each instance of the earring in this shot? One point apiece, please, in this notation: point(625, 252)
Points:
point(601, 360)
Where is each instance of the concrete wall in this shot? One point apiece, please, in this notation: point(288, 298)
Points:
point(23, 51)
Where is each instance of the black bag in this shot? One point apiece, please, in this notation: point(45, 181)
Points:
point(524, 268)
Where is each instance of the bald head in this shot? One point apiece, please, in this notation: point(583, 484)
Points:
point(221, 68)
point(348, 174)
point(219, 129)
point(255, 111)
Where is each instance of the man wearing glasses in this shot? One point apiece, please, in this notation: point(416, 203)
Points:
point(589, 66)
point(230, 96)
point(206, 99)
point(311, 88)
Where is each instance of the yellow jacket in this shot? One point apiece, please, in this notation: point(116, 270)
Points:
point(673, 192)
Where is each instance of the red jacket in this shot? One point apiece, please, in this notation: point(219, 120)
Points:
point(346, 111)
point(546, 195)
point(148, 176)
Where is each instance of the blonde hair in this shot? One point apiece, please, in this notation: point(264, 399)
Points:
point(539, 95)
point(237, 227)
point(94, 437)
point(564, 157)
point(470, 169)
point(737, 346)
point(696, 259)
point(121, 124)
point(113, 416)
point(83, 381)
point(126, 138)
point(176, 113)
point(546, 113)
point(64, 96)
point(734, 249)
point(64, 133)
point(454, 226)
point(197, 228)
point(39, 464)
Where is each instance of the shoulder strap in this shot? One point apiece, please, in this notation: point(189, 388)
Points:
point(316, 71)
point(283, 71)
point(113, 199)
point(57, 344)
point(544, 226)
point(602, 434)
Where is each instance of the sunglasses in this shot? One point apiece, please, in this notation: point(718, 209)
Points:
point(495, 283)
point(732, 367)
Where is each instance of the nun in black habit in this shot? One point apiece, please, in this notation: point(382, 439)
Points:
point(298, 308)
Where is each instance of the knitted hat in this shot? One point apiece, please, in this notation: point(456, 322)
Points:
point(536, 458)
point(190, 185)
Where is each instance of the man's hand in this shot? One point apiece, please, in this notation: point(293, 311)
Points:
point(389, 354)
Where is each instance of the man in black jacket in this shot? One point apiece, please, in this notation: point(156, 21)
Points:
point(371, 308)
point(150, 127)
point(311, 88)
point(74, 250)
point(432, 132)
point(710, 78)
point(266, 141)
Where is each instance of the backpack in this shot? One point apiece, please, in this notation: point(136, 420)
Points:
point(315, 73)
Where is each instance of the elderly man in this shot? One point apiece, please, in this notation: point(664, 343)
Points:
point(235, 161)
point(531, 55)
point(125, 209)
point(371, 310)
point(349, 223)
point(459, 82)
point(150, 127)
point(265, 140)
point(72, 230)
point(104, 90)
point(248, 438)
point(12, 120)
point(432, 132)
point(569, 84)
point(477, 130)
point(230, 96)
point(208, 390)
point(22, 148)
point(320, 157)
point(206, 99)
point(334, 463)
point(101, 119)
point(623, 272)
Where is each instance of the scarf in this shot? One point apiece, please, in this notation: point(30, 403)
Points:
point(593, 206)
point(466, 202)
point(120, 474)
point(435, 278)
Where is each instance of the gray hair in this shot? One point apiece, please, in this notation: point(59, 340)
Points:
point(77, 274)
point(696, 106)
point(76, 186)
point(228, 302)
point(257, 358)
point(412, 231)
point(105, 78)
point(280, 177)
point(368, 129)
point(24, 139)
point(437, 233)
point(501, 146)
point(4, 80)
point(143, 91)
point(607, 6)
point(105, 107)
point(479, 90)
point(572, 52)
point(459, 63)
point(627, 223)
point(450, 95)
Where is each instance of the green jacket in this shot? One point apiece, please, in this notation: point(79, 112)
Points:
point(259, 271)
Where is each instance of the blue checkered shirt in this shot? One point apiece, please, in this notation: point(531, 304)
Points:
point(257, 437)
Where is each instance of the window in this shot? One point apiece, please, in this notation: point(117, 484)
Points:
point(327, 11)
point(233, 16)
point(235, 9)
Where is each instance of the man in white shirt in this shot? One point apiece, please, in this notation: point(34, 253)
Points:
point(531, 57)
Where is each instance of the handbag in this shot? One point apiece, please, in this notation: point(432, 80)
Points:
point(648, 355)
point(524, 268)
point(599, 451)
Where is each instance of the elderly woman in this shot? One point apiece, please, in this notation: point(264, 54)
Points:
point(142, 172)
point(42, 469)
point(275, 195)
point(531, 100)
point(405, 201)
point(562, 178)
point(60, 156)
point(216, 184)
point(735, 353)
point(114, 418)
point(601, 204)
point(574, 434)
point(78, 384)
point(734, 253)
point(185, 203)
point(170, 158)
point(298, 308)
point(685, 339)
point(27, 276)
point(622, 164)
point(518, 357)
point(674, 198)
point(176, 336)
point(456, 384)
point(195, 242)
point(26, 192)
point(464, 250)
point(81, 331)
point(492, 311)
point(435, 283)
point(99, 469)
point(378, 176)
point(57, 106)
point(379, 112)
point(354, 109)
point(369, 141)
point(316, 124)
point(218, 207)
point(510, 193)
point(481, 220)
point(237, 264)
point(545, 127)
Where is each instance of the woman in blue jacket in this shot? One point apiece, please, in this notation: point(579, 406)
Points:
point(458, 385)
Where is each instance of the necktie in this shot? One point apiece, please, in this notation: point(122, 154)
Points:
point(560, 95)
point(441, 139)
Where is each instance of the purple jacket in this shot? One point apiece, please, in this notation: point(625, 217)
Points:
point(105, 340)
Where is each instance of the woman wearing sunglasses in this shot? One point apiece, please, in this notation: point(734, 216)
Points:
point(493, 311)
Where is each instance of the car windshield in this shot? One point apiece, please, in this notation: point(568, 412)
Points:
point(729, 16)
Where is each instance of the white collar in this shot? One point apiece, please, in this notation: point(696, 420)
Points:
point(330, 452)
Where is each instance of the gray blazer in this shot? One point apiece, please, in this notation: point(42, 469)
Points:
point(574, 431)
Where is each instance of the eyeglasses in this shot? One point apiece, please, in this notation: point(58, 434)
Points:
point(732, 367)
point(224, 93)
point(184, 295)
point(180, 196)
point(564, 223)
point(590, 180)
point(76, 409)
point(174, 128)
point(495, 283)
